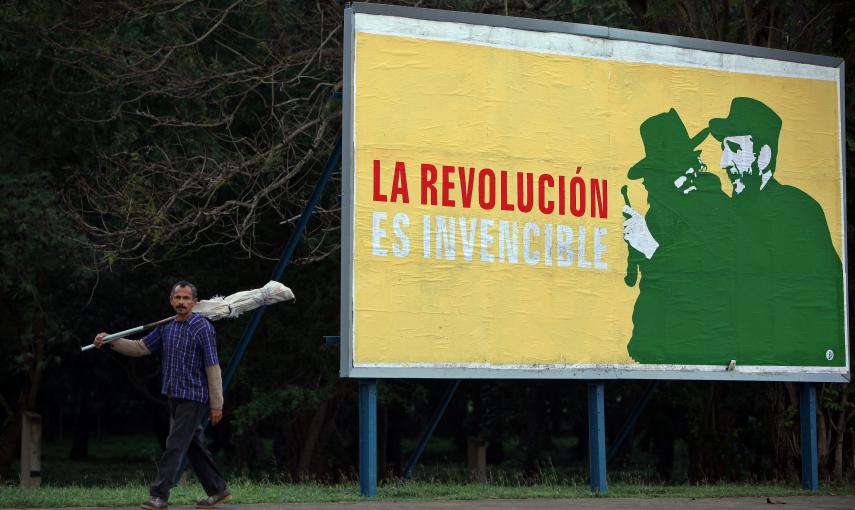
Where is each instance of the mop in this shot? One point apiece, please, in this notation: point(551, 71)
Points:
point(220, 307)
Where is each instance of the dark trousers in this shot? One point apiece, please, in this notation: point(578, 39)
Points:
point(186, 435)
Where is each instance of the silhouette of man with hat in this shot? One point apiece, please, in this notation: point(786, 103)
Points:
point(682, 314)
point(788, 300)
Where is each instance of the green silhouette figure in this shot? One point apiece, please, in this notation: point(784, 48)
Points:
point(788, 279)
point(681, 247)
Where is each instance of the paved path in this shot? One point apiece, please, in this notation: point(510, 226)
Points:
point(792, 503)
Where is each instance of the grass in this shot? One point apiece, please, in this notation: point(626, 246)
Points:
point(118, 469)
point(114, 460)
point(255, 492)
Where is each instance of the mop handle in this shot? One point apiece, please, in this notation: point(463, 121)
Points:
point(120, 334)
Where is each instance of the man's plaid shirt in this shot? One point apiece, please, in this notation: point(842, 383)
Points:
point(188, 347)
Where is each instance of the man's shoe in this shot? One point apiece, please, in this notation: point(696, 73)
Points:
point(155, 504)
point(216, 499)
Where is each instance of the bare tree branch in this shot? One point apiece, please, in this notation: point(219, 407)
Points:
point(220, 114)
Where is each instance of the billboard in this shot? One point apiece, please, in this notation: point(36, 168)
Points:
point(531, 199)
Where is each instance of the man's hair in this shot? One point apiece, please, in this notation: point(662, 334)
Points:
point(184, 283)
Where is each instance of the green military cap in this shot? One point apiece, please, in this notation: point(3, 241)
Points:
point(748, 117)
point(666, 140)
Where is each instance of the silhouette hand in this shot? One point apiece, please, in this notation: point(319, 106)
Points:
point(636, 233)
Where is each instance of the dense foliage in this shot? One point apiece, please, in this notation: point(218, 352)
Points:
point(151, 140)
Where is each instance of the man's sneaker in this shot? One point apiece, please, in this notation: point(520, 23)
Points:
point(216, 499)
point(154, 504)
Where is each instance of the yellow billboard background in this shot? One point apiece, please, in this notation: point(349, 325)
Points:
point(444, 103)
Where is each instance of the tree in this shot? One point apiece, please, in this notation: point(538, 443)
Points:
point(42, 276)
point(207, 118)
point(39, 263)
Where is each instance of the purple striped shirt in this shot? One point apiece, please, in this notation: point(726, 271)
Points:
point(188, 347)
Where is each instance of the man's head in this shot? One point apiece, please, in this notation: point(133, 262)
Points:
point(670, 160)
point(183, 299)
point(749, 143)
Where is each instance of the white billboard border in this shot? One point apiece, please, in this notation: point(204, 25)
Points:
point(580, 371)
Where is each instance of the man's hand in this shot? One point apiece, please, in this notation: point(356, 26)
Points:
point(99, 340)
point(216, 416)
point(636, 233)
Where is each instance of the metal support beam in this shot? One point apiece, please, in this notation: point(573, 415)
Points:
point(807, 412)
point(368, 437)
point(597, 436)
point(284, 260)
point(431, 426)
point(630, 422)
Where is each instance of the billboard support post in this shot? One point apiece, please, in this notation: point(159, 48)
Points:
point(597, 436)
point(368, 437)
point(807, 412)
point(431, 426)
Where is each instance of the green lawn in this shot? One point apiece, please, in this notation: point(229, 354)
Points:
point(119, 468)
point(254, 492)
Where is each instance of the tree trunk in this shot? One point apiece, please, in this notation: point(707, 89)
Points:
point(249, 450)
point(749, 30)
point(9, 440)
point(320, 462)
point(823, 438)
point(80, 438)
point(705, 441)
point(838, 457)
point(11, 436)
point(852, 442)
point(394, 436)
point(663, 441)
point(689, 10)
point(535, 434)
point(81, 420)
point(782, 399)
point(840, 437)
point(311, 440)
point(495, 424)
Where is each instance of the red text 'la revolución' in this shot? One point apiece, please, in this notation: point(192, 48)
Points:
point(489, 189)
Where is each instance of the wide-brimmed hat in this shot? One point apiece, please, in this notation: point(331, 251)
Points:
point(748, 117)
point(665, 140)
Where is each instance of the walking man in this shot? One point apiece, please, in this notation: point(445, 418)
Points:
point(192, 382)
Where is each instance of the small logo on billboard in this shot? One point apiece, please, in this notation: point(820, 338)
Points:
point(829, 355)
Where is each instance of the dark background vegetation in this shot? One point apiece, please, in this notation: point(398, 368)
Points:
point(150, 140)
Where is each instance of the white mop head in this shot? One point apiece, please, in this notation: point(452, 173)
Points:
point(234, 305)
